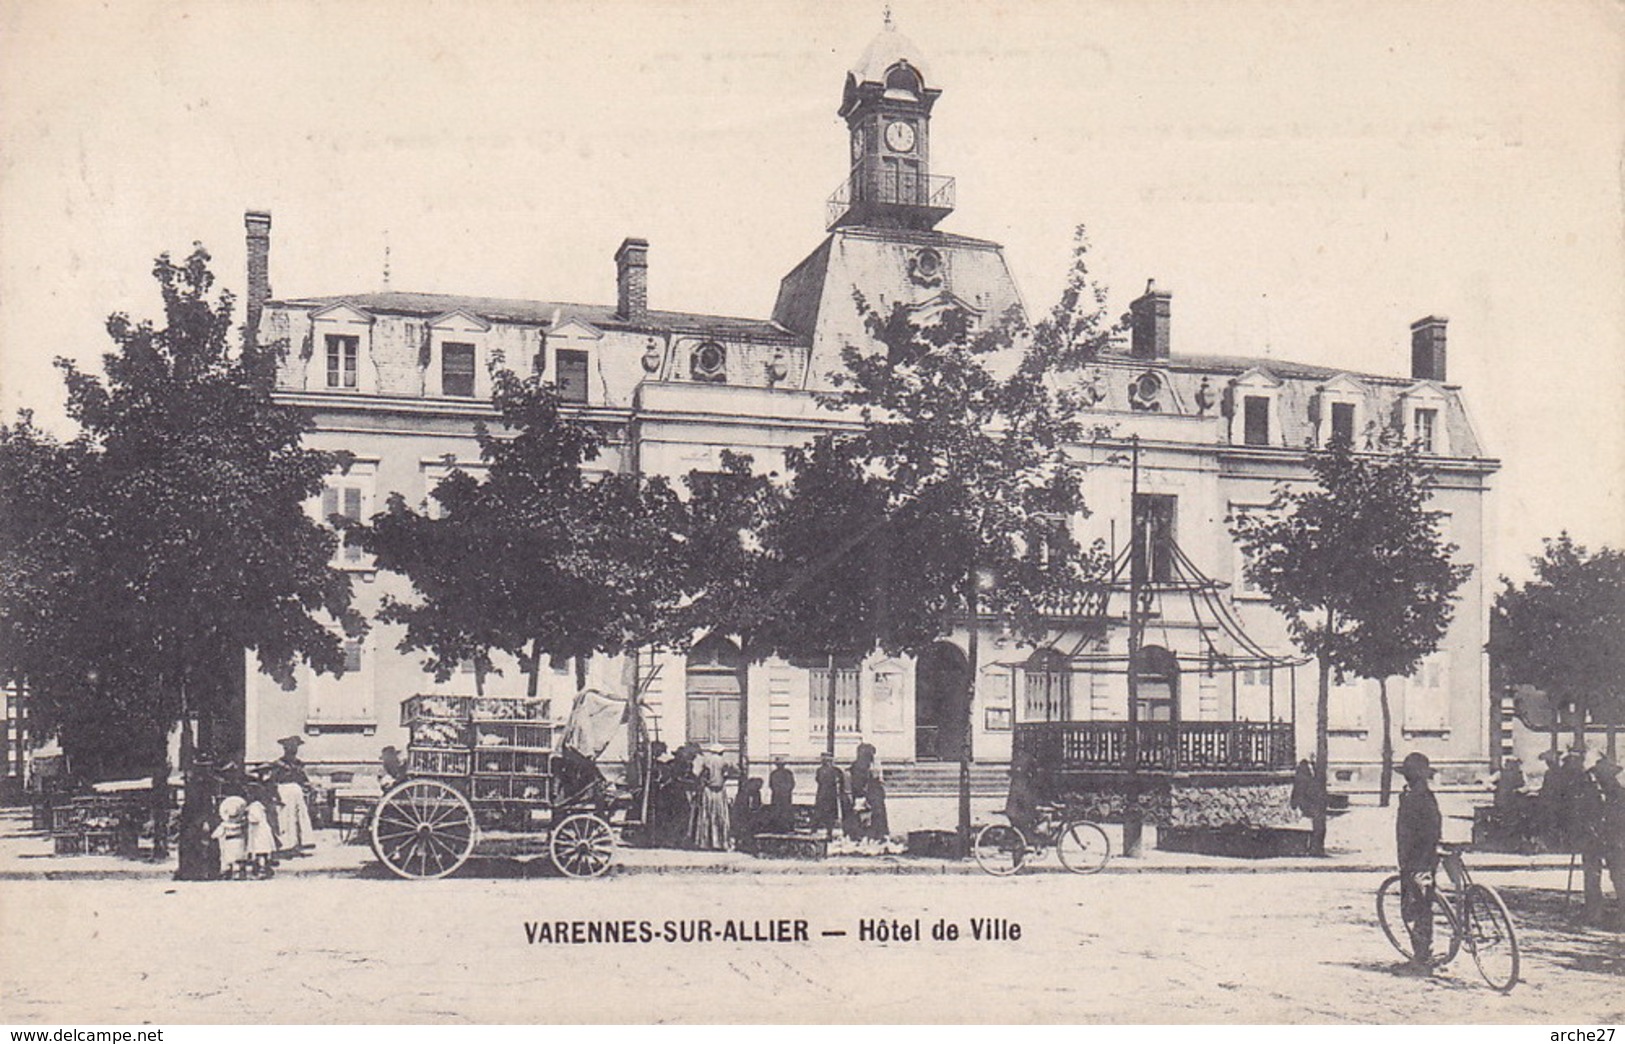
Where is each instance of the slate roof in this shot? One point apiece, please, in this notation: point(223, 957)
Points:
point(1283, 368)
point(542, 313)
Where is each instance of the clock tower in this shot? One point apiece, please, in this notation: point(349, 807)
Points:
point(887, 107)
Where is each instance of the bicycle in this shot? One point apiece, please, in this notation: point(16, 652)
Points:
point(1474, 915)
point(1002, 849)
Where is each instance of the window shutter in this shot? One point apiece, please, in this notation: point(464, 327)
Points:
point(352, 503)
point(330, 503)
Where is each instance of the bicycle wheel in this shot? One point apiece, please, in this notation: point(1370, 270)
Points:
point(1000, 849)
point(1083, 847)
point(1491, 937)
point(1391, 917)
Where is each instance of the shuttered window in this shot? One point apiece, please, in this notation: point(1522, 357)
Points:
point(572, 375)
point(848, 718)
point(457, 370)
point(1256, 420)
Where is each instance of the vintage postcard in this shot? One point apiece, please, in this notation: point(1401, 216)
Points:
point(756, 512)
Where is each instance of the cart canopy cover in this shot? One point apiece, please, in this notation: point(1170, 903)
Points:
point(597, 725)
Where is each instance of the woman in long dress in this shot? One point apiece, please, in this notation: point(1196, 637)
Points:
point(711, 805)
point(829, 800)
point(879, 826)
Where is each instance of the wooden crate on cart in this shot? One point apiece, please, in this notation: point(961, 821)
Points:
point(482, 764)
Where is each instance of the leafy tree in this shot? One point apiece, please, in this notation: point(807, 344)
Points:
point(728, 575)
point(1560, 631)
point(541, 558)
point(958, 483)
point(165, 539)
point(1076, 330)
point(1358, 568)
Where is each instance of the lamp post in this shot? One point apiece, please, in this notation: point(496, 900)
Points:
point(979, 579)
point(1133, 816)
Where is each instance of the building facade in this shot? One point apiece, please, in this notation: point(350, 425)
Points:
point(399, 380)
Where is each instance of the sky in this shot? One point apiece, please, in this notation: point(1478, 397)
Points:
point(1306, 178)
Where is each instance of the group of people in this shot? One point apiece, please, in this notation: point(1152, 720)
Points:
point(685, 799)
point(1576, 809)
point(686, 805)
point(246, 820)
point(853, 802)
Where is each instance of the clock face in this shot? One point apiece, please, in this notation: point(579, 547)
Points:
point(900, 136)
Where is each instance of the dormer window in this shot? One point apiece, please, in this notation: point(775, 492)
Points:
point(1337, 410)
point(340, 355)
point(1427, 425)
point(1253, 404)
point(455, 360)
point(343, 361)
point(1422, 414)
point(1256, 420)
point(571, 376)
point(1343, 422)
point(457, 370)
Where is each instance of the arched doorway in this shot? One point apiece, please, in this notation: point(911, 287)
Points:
point(712, 684)
point(1158, 685)
point(941, 685)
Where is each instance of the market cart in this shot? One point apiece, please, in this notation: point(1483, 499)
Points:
point(495, 773)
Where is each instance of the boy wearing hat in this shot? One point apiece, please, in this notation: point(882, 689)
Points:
point(1417, 829)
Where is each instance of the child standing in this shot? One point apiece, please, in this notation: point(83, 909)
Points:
point(232, 833)
point(261, 837)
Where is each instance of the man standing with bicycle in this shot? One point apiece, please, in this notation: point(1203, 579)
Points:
point(1417, 828)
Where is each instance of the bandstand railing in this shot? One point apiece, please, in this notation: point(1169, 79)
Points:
point(1164, 746)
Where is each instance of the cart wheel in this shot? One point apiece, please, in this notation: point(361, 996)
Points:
point(423, 829)
point(582, 845)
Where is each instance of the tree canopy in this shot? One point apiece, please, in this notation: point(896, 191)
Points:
point(1358, 567)
point(167, 537)
point(1561, 631)
point(540, 557)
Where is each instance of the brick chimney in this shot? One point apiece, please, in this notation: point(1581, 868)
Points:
point(632, 279)
point(1149, 318)
point(1427, 348)
point(258, 225)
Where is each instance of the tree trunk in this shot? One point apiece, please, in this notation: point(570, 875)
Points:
point(1387, 744)
point(581, 673)
point(197, 858)
point(159, 799)
point(742, 679)
point(533, 667)
point(1323, 699)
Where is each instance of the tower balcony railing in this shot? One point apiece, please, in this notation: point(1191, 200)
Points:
point(873, 194)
